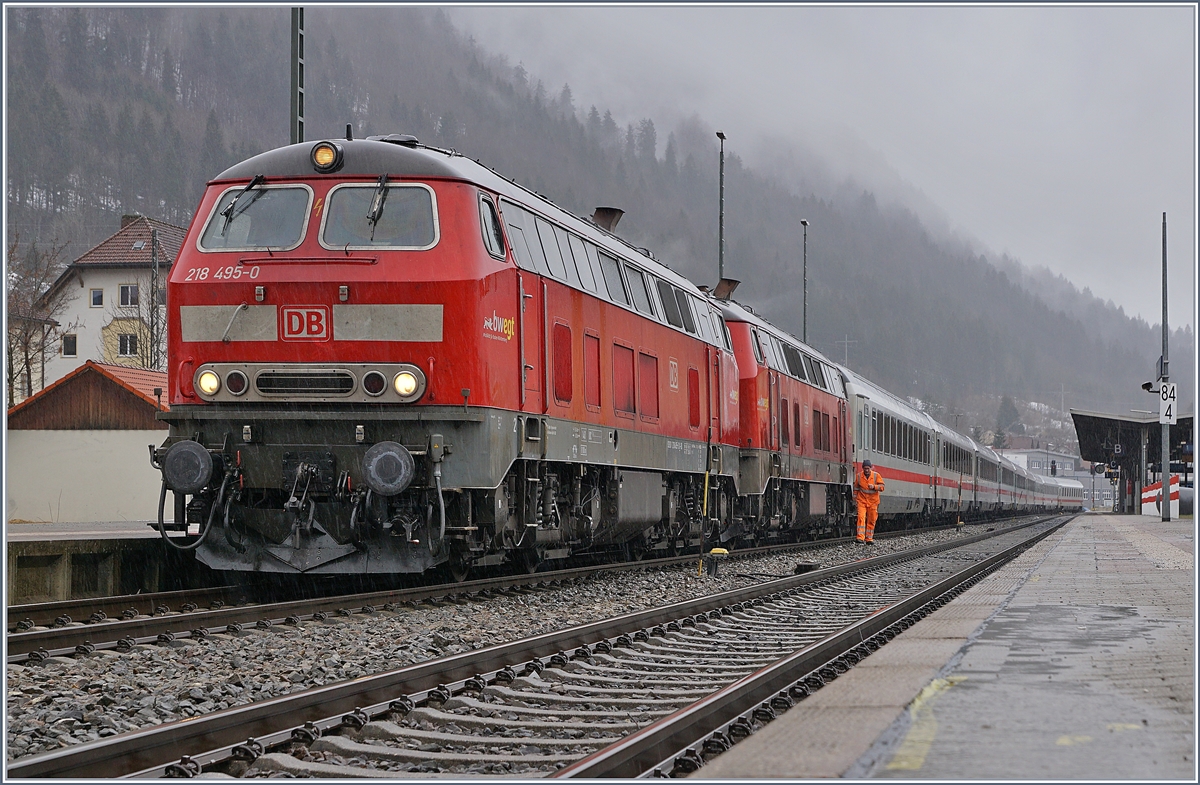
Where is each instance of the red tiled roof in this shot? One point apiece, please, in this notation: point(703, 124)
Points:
point(119, 249)
point(138, 381)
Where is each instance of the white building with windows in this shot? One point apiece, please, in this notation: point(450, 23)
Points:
point(112, 314)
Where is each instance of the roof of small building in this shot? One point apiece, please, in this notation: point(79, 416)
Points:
point(72, 413)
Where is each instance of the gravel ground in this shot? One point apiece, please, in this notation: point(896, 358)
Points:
point(67, 701)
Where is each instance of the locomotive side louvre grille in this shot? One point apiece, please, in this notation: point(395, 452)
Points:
point(216, 322)
point(322, 383)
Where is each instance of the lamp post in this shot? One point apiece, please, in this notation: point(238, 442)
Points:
point(721, 218)
point(804, 335)
point(1164, 377)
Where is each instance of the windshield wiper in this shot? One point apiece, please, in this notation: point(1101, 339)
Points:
point(229, 214)
point(381, 192)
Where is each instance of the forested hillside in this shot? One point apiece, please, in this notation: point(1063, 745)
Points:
point(114, 111)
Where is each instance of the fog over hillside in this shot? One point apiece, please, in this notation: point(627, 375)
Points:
point(131, 110)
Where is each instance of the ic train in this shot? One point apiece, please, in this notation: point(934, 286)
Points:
point(386, 358)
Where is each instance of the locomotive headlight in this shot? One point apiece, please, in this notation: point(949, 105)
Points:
point(406, 383)
point(409, 383)
point(208, 382)
point(326, 157)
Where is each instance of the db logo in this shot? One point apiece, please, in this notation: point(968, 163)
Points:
point(306, 324)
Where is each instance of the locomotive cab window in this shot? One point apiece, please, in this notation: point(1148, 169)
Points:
point(379, 215)
point(493, 237)
point(249, 219)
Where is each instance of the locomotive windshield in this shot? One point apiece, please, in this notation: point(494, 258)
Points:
point(355, 217)
point(266, 217)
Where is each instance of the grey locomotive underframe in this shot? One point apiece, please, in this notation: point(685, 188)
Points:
point(513, 486)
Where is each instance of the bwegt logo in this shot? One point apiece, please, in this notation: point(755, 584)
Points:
point(500, 325)
point(309, 323)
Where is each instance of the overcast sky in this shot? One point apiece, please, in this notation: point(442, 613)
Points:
point(1059, 135)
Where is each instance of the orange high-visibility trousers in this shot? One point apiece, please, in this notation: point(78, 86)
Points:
point(867, 514)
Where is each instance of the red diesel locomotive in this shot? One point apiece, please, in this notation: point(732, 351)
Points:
point(385, 358)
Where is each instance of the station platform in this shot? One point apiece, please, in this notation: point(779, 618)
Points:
point(96, 530)
point(67, 561)
point(1075, 661)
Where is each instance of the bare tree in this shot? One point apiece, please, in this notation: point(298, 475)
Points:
point(33, 311)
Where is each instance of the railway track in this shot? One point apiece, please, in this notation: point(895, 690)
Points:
point(94, 610)
point(652, 691)
point(120, 623)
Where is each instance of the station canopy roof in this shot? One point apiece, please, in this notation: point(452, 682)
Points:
point(1100, 434)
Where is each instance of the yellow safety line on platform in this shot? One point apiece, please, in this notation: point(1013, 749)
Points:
point(918, 740)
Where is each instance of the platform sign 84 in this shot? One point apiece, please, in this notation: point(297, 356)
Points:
point(1166, 410)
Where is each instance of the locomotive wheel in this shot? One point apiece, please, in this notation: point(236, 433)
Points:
point(634, 550)
point(675, 533)
point(528, 560)
point(459, 563)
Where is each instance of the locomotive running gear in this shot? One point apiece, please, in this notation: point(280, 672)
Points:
point(868, 484)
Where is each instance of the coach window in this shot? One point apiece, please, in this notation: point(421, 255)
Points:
point(549, 245)
point(685, 311)
point(563, 372)
point(591, 370)
point(624, 390)
point(612, 278)
point(637, 287)
point(670, 306)
point(493, 238)
point(583, 265)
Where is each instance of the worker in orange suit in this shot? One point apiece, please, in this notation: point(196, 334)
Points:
point(868, 484)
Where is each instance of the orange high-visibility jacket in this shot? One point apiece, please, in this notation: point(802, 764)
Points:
point(867, 488)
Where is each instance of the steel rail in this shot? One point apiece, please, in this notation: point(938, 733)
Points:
point(660, 743)
point(62, 641)
point(148, 751)
point(45, 613)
